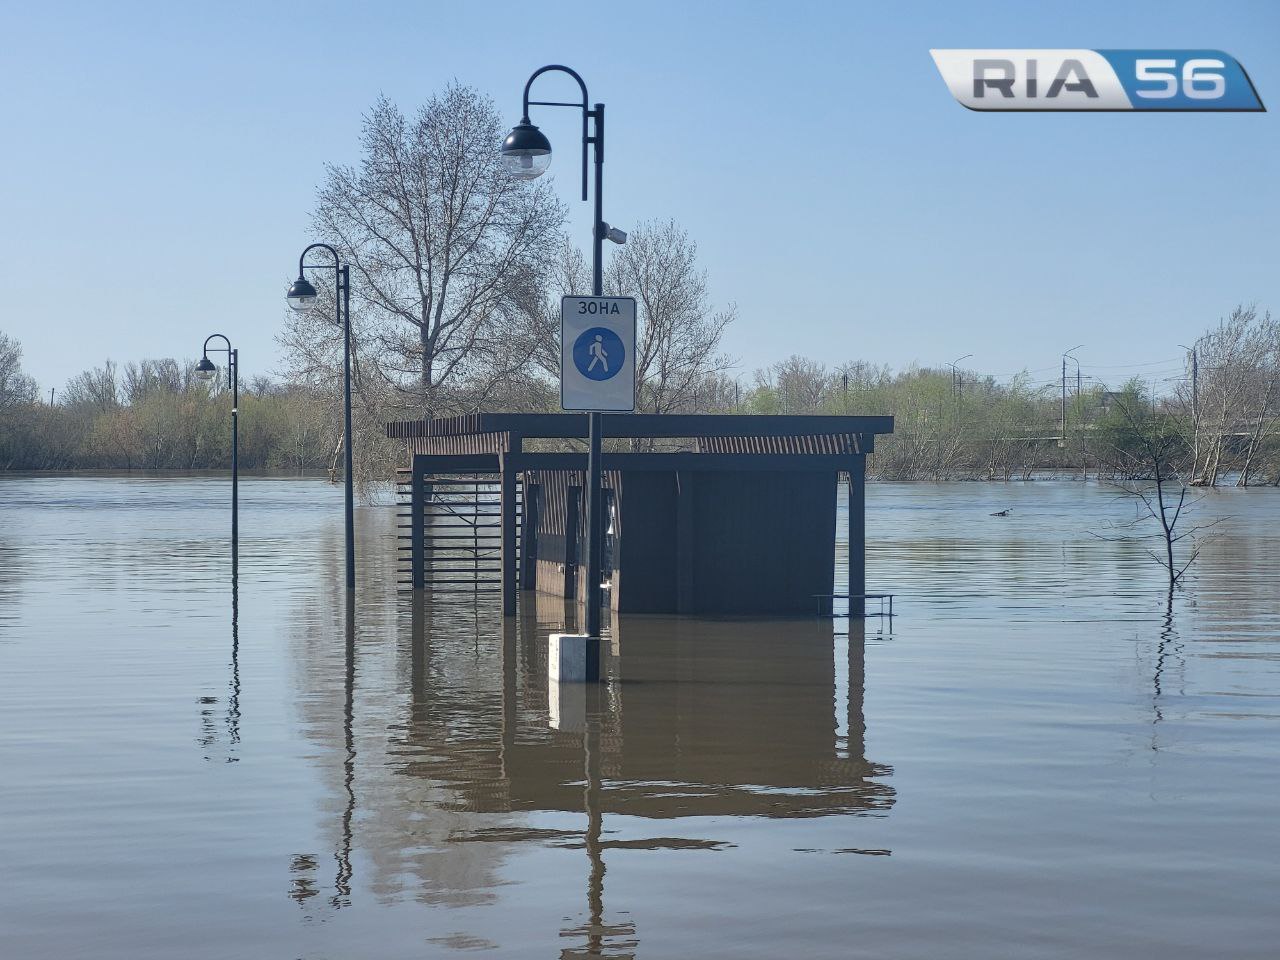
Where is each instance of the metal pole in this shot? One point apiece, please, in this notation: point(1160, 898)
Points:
point(234, 373)
point(594, 533)
point(1064, 401)
point(344, 289)
point(1195, 383)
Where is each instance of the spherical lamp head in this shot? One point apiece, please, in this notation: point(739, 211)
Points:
point(301, 294)
point(526, 153)
point(205, 368)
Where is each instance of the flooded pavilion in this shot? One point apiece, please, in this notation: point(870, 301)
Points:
point(704, 514)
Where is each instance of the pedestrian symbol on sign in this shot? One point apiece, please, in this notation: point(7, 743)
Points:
point(598, 353)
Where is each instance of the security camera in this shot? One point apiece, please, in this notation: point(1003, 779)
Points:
point(614, 234)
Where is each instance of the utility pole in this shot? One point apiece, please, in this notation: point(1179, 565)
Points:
point(1063, 442)
point(957, 379)
point(1063, 430)
point(1195, 383)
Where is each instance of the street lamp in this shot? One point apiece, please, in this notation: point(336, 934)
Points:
point(302, 297)
point(526, 154)
point(206, 370)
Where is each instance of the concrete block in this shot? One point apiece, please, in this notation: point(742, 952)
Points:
point(568, 706)
point(567, 657)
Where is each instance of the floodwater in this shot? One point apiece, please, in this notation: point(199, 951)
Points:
point(1041, 759)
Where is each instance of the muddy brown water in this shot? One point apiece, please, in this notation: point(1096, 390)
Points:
point(1042, 757)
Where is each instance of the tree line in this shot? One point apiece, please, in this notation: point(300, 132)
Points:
point(1219, 424)
point(157, 415)
point(1220, 421)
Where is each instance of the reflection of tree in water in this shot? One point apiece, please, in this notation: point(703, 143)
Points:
point(1168, 654)
point(702, 719)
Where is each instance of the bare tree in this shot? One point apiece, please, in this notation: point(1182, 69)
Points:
point(97, 389)
point(796, 385)
point(1235, 397)
point(15, 386)
point(448, 257)
point(679, 331)
point(1143, 448)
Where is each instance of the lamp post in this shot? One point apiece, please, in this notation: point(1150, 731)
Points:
point(526, 154)
point(301, 296)
point(205, 370)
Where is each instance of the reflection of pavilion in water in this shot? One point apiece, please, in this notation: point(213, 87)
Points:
point(729, 718)
point(703, 719)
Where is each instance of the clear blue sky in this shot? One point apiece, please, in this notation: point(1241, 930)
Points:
point(160, 161)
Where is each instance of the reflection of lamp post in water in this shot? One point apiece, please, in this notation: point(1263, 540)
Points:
point(210, 733)
point(526, 154)
point(205, 370)
point(595, 930)
point(301, 296)
point(233, 703)
point(342, 883)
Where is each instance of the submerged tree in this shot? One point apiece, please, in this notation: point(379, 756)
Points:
point(1232, 406)
point(1145, 451)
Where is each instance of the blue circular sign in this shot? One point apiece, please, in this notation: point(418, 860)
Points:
point(598, 353)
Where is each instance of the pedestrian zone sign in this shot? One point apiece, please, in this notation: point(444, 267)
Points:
point(597, 353)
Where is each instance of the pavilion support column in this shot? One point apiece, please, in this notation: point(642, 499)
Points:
point(510, 571)
point(418, 522)
point(529, 523)
point(572, 522)
point(857, 536)
point(685, 542)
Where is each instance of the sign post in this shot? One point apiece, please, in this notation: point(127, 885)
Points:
point(597, 373)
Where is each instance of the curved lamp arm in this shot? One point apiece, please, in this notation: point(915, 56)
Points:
point(224, 340)
point(231, 354)
point(317, 266)
point(586, 111)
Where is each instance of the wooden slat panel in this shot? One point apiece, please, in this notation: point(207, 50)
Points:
point(635, 425)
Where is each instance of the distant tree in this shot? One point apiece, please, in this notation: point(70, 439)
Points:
point(15, 386)
point(1235, 396)
point(94, 390)
point(153, 376)
point(796, 385)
